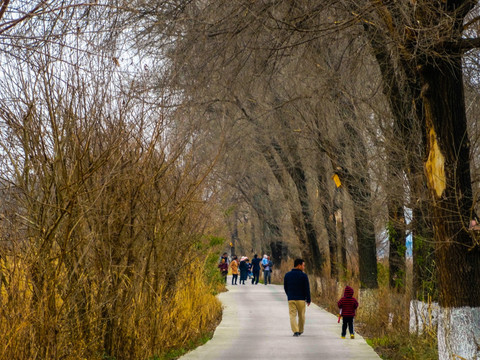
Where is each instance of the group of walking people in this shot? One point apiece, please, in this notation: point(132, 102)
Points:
point(296, 286)
point(247, 269)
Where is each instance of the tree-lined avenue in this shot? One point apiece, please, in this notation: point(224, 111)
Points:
point(255, 325)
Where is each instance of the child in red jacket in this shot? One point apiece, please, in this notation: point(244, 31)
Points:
point(348, 304)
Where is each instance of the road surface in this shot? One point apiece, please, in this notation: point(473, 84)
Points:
point(255, 325)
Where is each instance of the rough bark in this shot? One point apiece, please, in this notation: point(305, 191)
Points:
point(340, 234)
point(367, 256)
point(328, 218)
point(396, 229)
point(449, 181)
point(358, 186)
point(234, 233)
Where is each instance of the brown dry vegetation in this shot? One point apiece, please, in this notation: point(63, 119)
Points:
point(129, 134)
point(105, 249)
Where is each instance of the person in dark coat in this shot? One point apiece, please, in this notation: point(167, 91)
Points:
point(223, 266)
point(348, 305)
point(243, 270)
point(297, 288)
point(256, 269)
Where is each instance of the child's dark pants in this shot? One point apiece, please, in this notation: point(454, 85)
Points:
point(347, 320)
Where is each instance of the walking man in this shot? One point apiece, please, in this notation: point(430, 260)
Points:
point(256, 269)
point(297, 288)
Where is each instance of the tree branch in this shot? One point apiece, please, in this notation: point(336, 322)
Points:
point(28, 15)
point(467, 44)
point(4, 8)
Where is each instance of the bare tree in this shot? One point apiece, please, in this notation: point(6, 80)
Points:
point(429, 51)
point(419, 48)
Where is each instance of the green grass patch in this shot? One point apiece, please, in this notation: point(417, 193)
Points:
point(406, 347)
point(193, 344)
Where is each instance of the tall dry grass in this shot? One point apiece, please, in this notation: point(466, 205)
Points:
point(147, 323)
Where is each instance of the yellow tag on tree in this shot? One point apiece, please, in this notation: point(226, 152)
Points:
point(337, 180)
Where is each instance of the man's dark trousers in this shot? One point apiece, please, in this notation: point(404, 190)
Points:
point(256, 276)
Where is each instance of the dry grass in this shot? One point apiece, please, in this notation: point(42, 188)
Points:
point(147, 324)
point(191, 312)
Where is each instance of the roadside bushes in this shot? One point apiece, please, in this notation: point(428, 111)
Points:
point(103, 251)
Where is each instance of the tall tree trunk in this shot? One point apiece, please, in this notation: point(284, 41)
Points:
point(340, 230)
point(297, 173)
point(328, 217)
point(367, 255)
point(448, 173)
point(297, 223)
point(329, 220)
point(234, 233)
point(401, 88)
point(358, 187)
point(396, 225)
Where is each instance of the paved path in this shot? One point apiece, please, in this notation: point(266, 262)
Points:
point(256, 325)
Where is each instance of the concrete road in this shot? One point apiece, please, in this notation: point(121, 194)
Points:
point(256, 325)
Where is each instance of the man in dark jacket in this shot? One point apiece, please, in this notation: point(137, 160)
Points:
point(256, 269)
point(297, 288)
